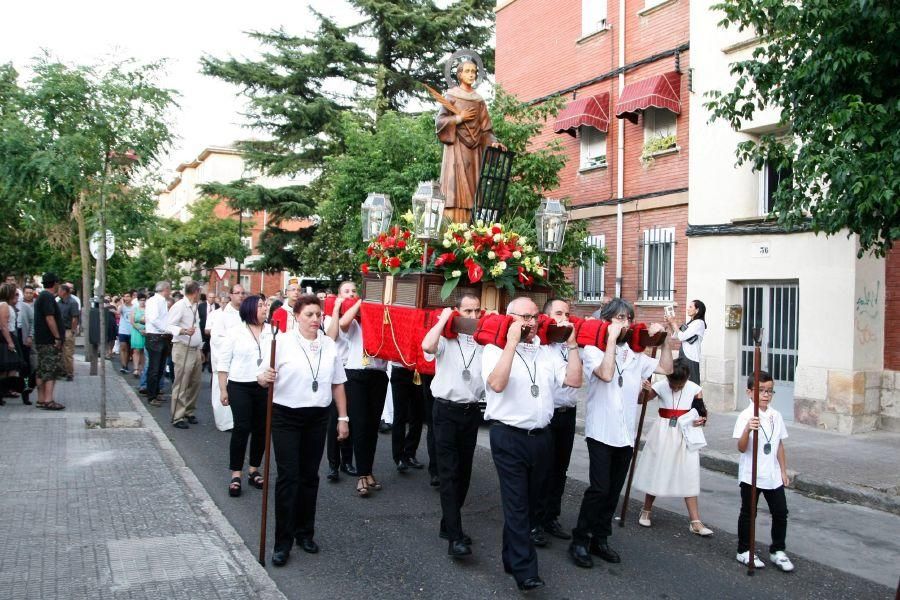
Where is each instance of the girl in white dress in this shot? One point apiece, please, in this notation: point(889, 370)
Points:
point(667, 467)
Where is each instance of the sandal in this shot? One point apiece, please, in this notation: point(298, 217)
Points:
point(53, 405)
point(700, 529)
point(644, 519)
point(373, 484)
point(255, 479)
point(234, 488)
point(362, 487)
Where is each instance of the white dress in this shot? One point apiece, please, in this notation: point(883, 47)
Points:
point(665, 466)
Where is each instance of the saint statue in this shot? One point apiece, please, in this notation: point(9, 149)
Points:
point(464, 127)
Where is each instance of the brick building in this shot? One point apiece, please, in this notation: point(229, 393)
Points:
point(625, 130)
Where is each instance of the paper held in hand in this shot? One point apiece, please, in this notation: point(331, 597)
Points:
point(693, 436)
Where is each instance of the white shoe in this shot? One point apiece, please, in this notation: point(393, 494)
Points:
point(744, 559)
point(781, 560)
point(700, 529)
point(644, 519)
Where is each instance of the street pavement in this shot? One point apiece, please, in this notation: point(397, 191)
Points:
point(112, 513)
point(387, 546)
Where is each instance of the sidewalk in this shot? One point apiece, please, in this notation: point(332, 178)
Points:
point(114, 513)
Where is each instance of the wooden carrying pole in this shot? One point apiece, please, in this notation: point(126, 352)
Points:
point(637, 443)
point(757, 337)
point(267, 455)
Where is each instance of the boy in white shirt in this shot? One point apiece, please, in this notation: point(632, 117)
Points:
point(771, 472)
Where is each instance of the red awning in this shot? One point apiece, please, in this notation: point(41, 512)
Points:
point(659, 91)
point(592, 111)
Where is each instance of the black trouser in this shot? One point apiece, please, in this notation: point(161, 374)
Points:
point(455, 436)
point(298, 437)
point(248, 407)
point(607, 472)
point(428, 400)
point(777, 508)
point(408, 411)
point(367, 389)
point(159, 346)
point(562, 429)
point(338, 452)
point(521, 459)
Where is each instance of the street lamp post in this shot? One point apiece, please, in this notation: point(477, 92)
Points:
point(550, 221)
point(428, 214)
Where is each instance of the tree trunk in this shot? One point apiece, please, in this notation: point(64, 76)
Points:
point(86, 285)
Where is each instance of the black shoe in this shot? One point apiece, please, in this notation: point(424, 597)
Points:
point(26, 401)
point(123, 370)
point(308, 545)
point(332, 474)
point(180, 425)
point(280, 557)
point(538, 538)
point(556, 530)
point(605, 552)
point(580, 556)
point(142, 391)
point(384, 427)
point(532, 583)
point(349, 469)
point(68, 378)
point(192, 420)
point(415, 464)
point(465, 539)
point(458, 548)
point(435, 481)
point(402, 466)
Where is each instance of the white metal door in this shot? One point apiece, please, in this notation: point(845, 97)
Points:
point(774, 308)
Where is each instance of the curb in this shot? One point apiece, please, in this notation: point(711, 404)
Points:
point(264, 587)
point(810, 485)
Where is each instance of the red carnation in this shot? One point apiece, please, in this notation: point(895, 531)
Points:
point(406, 234)
point(370, 250)
point(364, 268)
point(394, 262)
point(401, 244)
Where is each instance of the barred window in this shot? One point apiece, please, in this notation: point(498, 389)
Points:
point(590, 276)
point(658, 262)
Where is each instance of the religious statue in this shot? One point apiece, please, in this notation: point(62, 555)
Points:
point(464, 127)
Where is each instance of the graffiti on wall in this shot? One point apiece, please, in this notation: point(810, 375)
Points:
point(868, 310)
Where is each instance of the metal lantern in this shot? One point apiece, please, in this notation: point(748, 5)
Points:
point(376, 215)
point(428, 210)
point(550, 221)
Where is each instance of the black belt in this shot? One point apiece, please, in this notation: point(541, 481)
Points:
point(156, 335)
point(456, 405)
point(563, 409)
point(529, 432)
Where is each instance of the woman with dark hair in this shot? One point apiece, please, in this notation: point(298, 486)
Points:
point(11, 356)
point(241, 358)
point(690, 335)
point(310, 374)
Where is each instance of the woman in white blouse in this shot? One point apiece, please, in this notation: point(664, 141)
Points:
point(244, 348)
point(691, 336)
point(309, 375)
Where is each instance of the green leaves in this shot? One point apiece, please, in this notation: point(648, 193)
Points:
point(831, 67)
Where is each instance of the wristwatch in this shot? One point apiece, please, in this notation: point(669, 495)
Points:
point(344, 419)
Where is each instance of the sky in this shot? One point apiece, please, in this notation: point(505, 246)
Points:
point(87, 31)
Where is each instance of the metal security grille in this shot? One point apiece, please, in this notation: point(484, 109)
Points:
point(775, 309)
point(658, 261)
point(490, 198)
point(591, 275)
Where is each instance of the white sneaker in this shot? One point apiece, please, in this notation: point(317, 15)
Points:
point(700, 529)
point(781, 560)
point(744, 559)
point(644, 519)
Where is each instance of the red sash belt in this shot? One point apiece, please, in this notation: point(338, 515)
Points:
point(668, 413)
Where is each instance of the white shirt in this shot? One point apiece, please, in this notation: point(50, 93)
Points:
point(156, 313)
point(184, 316)
point(772, 431)
point(452, 357)
point(515, 405)
point(355, 350)
point(563, 396)
point(219, 322)
point(241, 354)
point(693, 328)
point(297, 360)
point(342, 343)
point(680, 400)
point(612, 410)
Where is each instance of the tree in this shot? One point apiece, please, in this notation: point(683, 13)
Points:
point(299, 90)
point(831, 67)
point(204, 240)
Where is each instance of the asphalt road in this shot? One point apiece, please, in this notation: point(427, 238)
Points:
point(387, 545)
